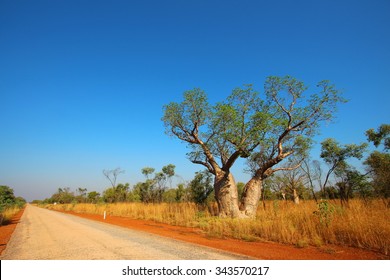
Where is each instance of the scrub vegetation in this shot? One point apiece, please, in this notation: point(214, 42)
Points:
point(364, 224)
point(289, 198)
point(9, 204)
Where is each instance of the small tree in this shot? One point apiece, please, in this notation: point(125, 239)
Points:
point(180, 193)
point(143, 191)
point(381, 136)
point(294, 180)
point(201, 187)
point(378, 162)
point(313, 172)
point(169, 172)
point(350, 181)
point(82, 194)
point(7, 196)
point(109, 195)
point(112, 175)
point(147, 171)
point(288, 184)
point(93, 197)
point(63, 196)
point(336, 156)
point(152, 190)
point(162, 179)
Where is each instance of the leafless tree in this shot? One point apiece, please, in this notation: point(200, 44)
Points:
point(312, 170)
point(112, 175)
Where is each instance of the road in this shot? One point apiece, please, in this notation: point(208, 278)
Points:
point(47, 235)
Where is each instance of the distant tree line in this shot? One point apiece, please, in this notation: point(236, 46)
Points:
point(332, 177)
point(338, 179)
point(156, 188)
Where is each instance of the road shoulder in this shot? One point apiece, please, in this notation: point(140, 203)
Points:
point(6, 231)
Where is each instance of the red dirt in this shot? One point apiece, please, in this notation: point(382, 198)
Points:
point(7, 230)
point(257, 250)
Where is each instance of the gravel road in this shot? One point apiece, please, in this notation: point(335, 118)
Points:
point(46, 235)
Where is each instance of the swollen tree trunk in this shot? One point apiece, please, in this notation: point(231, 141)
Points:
point(226, 194)
point(251, 197)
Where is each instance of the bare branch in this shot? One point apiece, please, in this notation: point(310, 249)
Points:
point(208, 166)
point(288, 168)
point(112, 175)
point(284, 109)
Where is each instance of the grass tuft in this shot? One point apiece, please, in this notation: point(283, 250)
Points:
point(7, 215)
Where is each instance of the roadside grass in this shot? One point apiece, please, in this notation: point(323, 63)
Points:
point(7, 214)
point(361, 224)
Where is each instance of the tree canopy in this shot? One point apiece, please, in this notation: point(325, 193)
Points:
point(277, 125)
point(265, 129)
point(378, 162)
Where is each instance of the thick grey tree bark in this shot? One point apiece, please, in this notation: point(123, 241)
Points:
point(251, 197)
point(226, 195)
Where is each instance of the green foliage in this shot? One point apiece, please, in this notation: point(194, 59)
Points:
point(263, 130)
point(180, 118)
point(240, 188)
point(7, 196)
point(62, 196)
point(93, 197)
point(20, 201)
point(169, 170)
point(382, 134)
point(116, 194)
point(8, 199)
point(336, 156)
point(324, 212)
point(82, 197)
point(352, 181)
point(180, 193)
point(378, 162)
point(170, 196)
point(146, 190)
point(333, 153)
point(153, 190)
point(147, 171)
point(378, 165)
point(201, 187)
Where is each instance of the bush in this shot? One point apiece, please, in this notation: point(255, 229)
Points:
point(9, 204)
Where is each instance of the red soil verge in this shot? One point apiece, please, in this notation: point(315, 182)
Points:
point(7, 230)
point(257, 250)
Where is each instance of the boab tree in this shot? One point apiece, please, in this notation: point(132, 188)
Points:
point(263, 129)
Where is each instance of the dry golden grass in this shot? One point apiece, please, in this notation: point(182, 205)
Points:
point(363, 225)
point(7, 215)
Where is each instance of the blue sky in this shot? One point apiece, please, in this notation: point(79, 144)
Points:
point(83, 83)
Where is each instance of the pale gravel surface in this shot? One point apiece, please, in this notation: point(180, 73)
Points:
point(46, 235)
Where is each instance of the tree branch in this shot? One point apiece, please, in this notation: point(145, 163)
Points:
point(208, 154)
point(208, 166)
point(284, 109)
point(288, 168)
point(231, 160)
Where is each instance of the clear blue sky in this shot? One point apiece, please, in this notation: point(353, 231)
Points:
point(82, 83)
